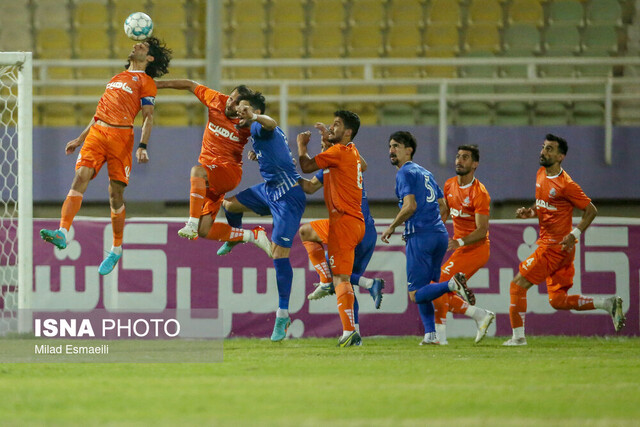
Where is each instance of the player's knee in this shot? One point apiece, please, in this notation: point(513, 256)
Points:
point(278, 252)
point(305, 232)
point(412, 296)
point(198, 172)
point(558, 301)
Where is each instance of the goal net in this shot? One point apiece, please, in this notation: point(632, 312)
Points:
point(16, 201)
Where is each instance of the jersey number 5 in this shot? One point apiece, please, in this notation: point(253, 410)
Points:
point(431, 193)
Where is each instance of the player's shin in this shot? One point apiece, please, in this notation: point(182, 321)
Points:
point(117, 224)
point(284, 279)
point(518, 306)
point(319, 261)
point(196, 196)
point(430, 292)
point(345, 297)
point(70, 209)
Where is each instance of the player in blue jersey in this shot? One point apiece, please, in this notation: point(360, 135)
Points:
point(420, 201)
point(279, 195)
point(315, 234)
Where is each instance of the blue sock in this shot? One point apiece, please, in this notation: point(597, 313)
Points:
point(431, 291)
point(428, 317)
point(356, 308)
point(233, 219)
point(355, 278)
point(284, 278)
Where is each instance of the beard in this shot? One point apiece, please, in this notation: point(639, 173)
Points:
point(394, 160)
point(462, 171)
point(546, 162)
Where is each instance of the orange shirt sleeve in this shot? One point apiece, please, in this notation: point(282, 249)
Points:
point(148, 88)
point(575, 195)
point(210, 97)
point(482, 201)
point(330, 157)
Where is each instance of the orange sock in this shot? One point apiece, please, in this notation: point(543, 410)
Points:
point(225, 233)
point(345, 297)
point(117, 224)
point(518, 305)
point(196, 198)
point(441, 306)
point(562, 301)
point(457, 304)
point(319, 261)
point(70, 208)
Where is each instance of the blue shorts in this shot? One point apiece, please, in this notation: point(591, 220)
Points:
point(286, 211)
point(364, 250)
point(425, 252)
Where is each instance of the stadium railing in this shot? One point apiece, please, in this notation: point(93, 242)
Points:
point(614, 90)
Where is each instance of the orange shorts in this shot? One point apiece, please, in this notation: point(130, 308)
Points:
point(321, 227)
point(110, 145)
point(345, 232)
point(467, 260)
point(550, 263)
point(221, 178)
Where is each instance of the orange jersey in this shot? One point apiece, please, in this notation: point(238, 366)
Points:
point(343, 181)
point(122, 99)
point(464, 203)
point(222, 142)
point(556, 196)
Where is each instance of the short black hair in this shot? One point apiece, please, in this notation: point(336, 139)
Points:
point(351, 121)
point(473, 149)
point(562, 143)
point(405, 138)
point(243, 90)
point(256, 100)
point(161, 58)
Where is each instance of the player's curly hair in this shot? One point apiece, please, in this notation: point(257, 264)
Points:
point(256, 100)
point(161, 58)
point(350, 120)
point(405, 138)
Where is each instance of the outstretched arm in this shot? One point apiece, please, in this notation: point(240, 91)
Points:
point(75, 143)
point(307, 164)
point(142, 156)
point(180, 84)
point(247, 114)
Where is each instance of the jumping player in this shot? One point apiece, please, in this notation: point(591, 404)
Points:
point(220, 168)
point(420, 201)
point(343, 197)
point(109, 139)
point(279, 195)
point(556, 197)
point(467, 202)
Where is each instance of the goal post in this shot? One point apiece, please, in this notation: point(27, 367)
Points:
point(16, 172)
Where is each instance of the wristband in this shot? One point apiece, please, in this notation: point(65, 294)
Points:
point(254, 117)
point(576, 232)
point(460, 242)
point(142, 145)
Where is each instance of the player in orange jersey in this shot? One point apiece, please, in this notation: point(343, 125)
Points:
point(220, 168)
point(556, 197)
point(467, 202)
point(109, 138)
point(343, 197)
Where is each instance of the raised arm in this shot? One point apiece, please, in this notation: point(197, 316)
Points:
point(180, 84)
point(71, 146)
point(307, 164)
point(247, 114)
point(310, 186)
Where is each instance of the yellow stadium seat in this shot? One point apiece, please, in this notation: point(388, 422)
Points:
point(444, 71)
point(170, 114)
point(326, 43)
point(249, 12)
point(285, 41)
point(485, 12)
point(249, 42)
point(367, 111)
point(402, 12)
point(318, 112)
point(91, 13)
point(51, 14)
point(53, 43)
point(15, 39)
point(404, 42)
point(444, 12)
point(526, 12)
point(441, 39)
point(92, 44)
point(15, 14)
point(482, 37)
point(367, 12)
point(286, 12)
point(365, 41)
point(58, 114)
point(328, 15)
point(566, 12)
point(124, 8)
point(169, 14)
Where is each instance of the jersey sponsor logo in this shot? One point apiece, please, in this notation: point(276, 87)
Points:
point(552, 192)
point(210, 167)
point(466, 201)
point(546, 205)
point(458, 213)
point(222, 132)
point(120, 85)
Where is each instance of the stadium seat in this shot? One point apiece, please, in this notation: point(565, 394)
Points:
point(403, 41)
point(521, 39)
point(58, 114)
point(170, 114)
point(600, 39)
point(248, 42)
point(482, 37)
point(485, 12)
point(169, 14)
point(512, 113)
point(364, 41)
point(318, 112)
point(367, 12)
point(90, 13)
point(603, 12)
point(15, 39)
point(90, 43)
point(443, 12)
point(15, 14)
point(286, 41)
point(441, 40)
point(286, 12)
point(526, 12)
point(478, 71)
point(51, 14)
point(561, 41)
point(566, 12)
point(367, 111)
point(326, 32)
point(249, 12)
point(54, 43)
point(588, 113)
point(123, 8)
point(397, 114)
point(400, 12)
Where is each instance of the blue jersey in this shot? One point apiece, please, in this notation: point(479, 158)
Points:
point(368, 219)
point(414, 179)
point(275, 160)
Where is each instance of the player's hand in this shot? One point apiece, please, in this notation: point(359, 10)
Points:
point(387, 233)
point(245, 113)
point(525, 213)
point(322, 128)
point(72, 145)
point(453, 245)
point(142, 156)
point(251, 155)
point(303, 138)
point(568, 242)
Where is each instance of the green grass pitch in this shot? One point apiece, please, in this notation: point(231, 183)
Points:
point(388, 381)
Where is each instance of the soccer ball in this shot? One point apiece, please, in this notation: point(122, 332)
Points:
point(138, 26)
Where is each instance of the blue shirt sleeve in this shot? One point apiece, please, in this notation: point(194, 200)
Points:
point(257, 131)
point(403, 184)
point(320, 176)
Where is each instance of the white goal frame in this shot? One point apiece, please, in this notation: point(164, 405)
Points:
point(25, 180)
